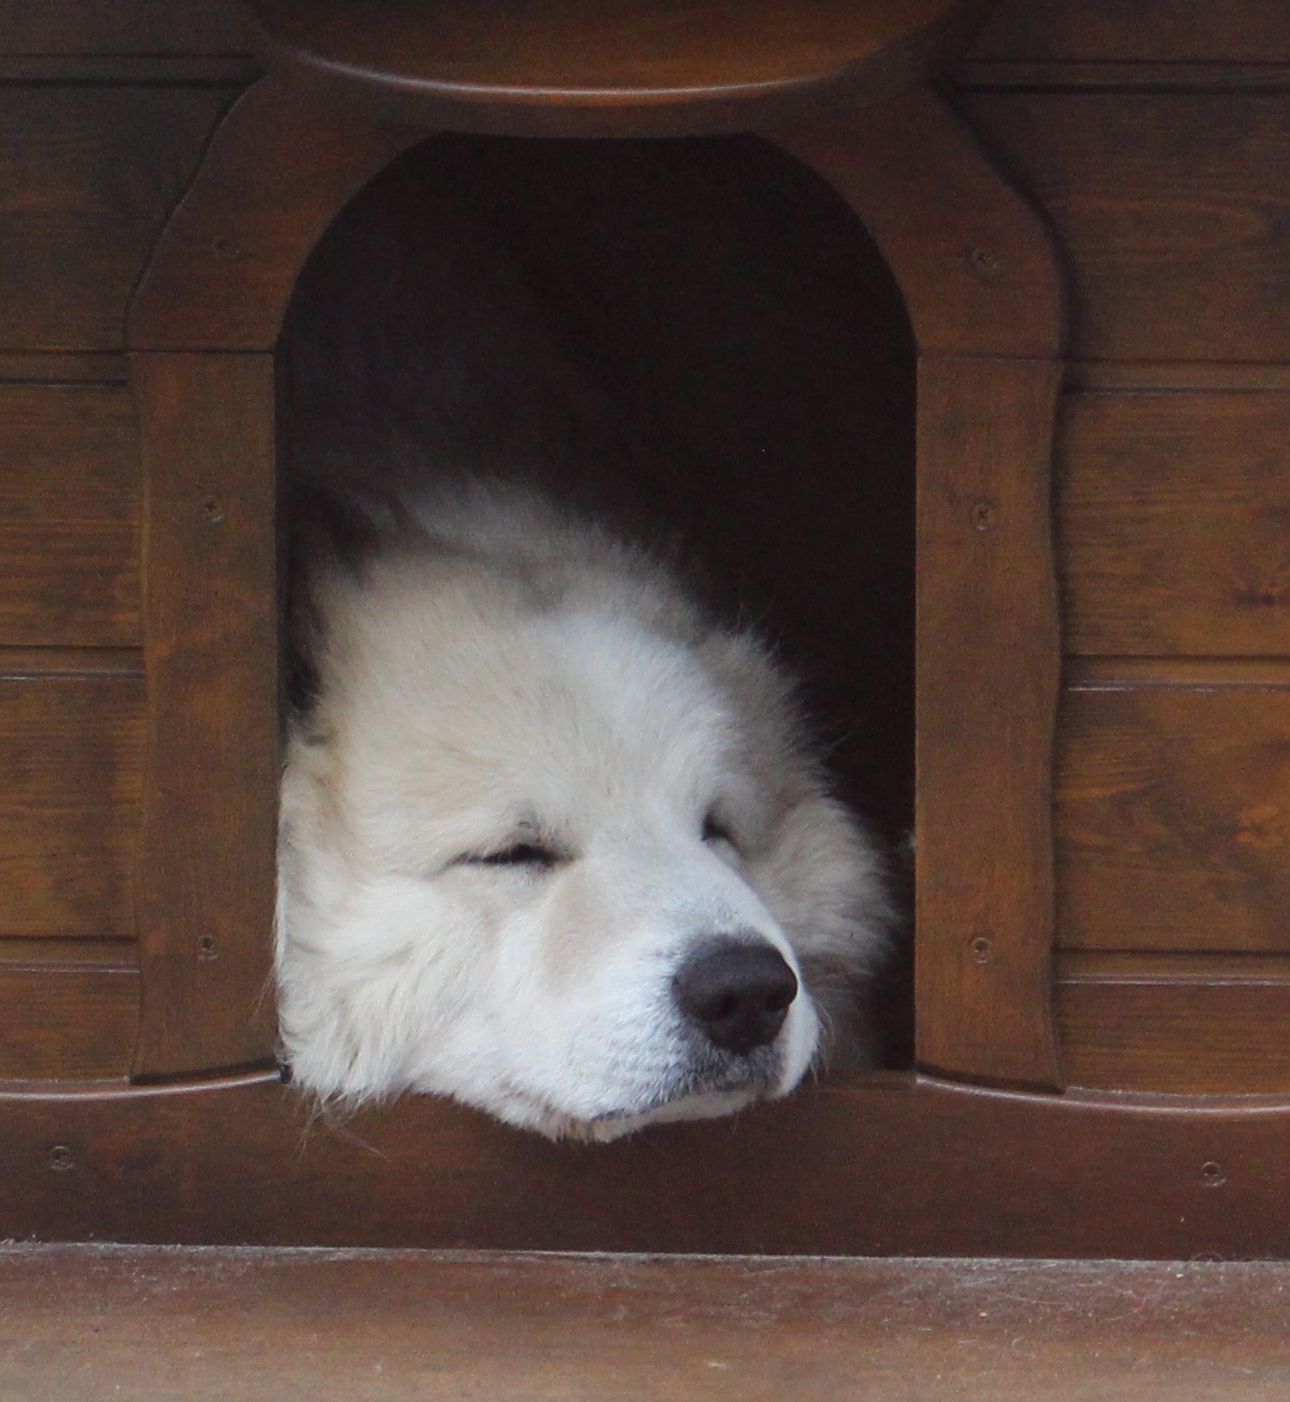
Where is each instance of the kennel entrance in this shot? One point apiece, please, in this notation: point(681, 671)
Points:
point(980, 282)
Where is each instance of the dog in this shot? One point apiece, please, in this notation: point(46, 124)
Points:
point(554, 841)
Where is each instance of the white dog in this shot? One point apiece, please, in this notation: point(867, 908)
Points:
point(551, 842)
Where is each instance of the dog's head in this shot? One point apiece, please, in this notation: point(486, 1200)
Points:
point(550, 845)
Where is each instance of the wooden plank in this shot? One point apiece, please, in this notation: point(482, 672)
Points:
point(1174, 212)
point(64, 1022)
point(1186, 1037)
point(1173, 818)
point(987, 692)
point(1172, 524)
point(205, 893)
point(140, 27)
point(1141, 31)
point(901, 1167)
point(71, 761)
point(534, 1329)
point(69, 517)
point(87, 177)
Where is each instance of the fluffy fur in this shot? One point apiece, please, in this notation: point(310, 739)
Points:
point(491, 678)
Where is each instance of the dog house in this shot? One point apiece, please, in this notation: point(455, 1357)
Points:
point(1099, 507)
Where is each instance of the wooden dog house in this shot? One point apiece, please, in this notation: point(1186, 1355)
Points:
point(1102, 1038)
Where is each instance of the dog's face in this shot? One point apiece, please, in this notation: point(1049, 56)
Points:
point(545, 859)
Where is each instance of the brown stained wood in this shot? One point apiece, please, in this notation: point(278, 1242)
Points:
point(267, 1326)
point(1173, 211)
point(71, 759)
point(637, 68)
point(1173, 523)
point(988, 660)
point(896, 1167)
point(205, 891)
point(87, 178)
point(77, 27)
point(1141, 31)
point(69, 517)
point(976, 266)
point(66, 1022)
point(278, 171)
point(1173, 817)
point(1209, 1033)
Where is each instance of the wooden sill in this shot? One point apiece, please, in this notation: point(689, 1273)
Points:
point(97, 1323)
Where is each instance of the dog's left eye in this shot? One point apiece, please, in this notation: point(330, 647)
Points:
point(519, 854)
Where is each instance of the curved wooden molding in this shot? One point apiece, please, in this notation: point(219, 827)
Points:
point(633, 68)
point(277, 172)
point(978, 268)
point(984, 290)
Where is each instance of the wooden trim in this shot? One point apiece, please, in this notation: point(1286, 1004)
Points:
point(977, 267)
point(204, 884)
point(633, 70)
point(988, 653)
point(915, 1167)
point(1139, 77)
point(277, 172)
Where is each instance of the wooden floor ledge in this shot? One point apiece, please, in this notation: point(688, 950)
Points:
point(91, 1323)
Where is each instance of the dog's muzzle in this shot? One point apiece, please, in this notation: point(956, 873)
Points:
point(736, 992)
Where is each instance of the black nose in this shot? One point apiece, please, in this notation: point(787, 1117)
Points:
point(737, 992)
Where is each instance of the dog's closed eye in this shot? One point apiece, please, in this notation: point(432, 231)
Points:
point(518, 854)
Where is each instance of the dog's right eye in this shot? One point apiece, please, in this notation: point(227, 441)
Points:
point(520, 854)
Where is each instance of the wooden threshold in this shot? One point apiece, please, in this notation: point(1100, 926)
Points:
point(99, 1323)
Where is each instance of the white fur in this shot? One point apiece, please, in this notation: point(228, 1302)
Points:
point(496, 672)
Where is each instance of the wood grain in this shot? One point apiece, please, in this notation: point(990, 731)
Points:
point(69, 517)
point(71, 757)
point(639, 68)
point(87, 178)
point(1173, 212)
point(1173, 817)
point(74, 27)
point(536, 1329)
point(205, 891)
point(895, 1167)
point(64, 1022)
point(1201, 1026)
point(1139, 31)
point(988, 658)
point(1173, 524)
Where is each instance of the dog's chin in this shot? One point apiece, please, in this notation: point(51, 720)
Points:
point(604, 1126)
